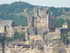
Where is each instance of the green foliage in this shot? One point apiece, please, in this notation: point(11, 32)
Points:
point(2, 38)
point(19, 20)
point(59, 22)
point(8, 11)
point(8, 39)
point(15, 7)
point(55, 11)
point(64, 37)
point(58, 11)
point(68, 21)
point(16, 35)
point(66, 9)
point(19, 36)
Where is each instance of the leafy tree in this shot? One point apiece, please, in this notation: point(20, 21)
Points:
point(64, 38)
point(16, 35)
point(22, 36)
point(5, 16)
point(15, 7)
point(8, 39)
point(19, 36)
point(59, 22)
point(66, 9)
point(55, 11)
point(2, 40)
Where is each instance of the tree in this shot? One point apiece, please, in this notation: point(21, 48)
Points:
point(2, 40)
point(19, 36)
point(55, 11)
point(22, 36)
point(59, 22)
point(16, 35)
point(8, 39)
point(64, 38)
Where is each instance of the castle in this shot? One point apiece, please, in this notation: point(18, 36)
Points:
point(40, 20)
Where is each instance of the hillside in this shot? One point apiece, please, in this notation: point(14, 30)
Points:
point(15, 7)
point(18, 11)
point(66, 15)
point(14, 10)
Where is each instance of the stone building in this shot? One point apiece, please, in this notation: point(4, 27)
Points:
point(6, 26)
point(54, 46)
point(21, 48)
point(65, 25)
point(64, 28)
point(41, 20)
